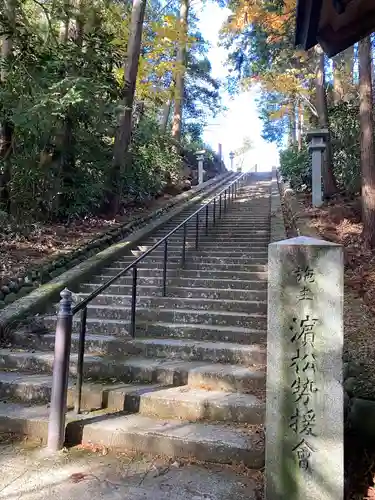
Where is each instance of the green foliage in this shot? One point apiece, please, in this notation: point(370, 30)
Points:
point(62, 95)
point(295, 167)
point(154, 164)
point(345, 131)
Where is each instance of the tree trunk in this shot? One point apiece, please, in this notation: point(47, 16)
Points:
point(367, 141)
point(299, 124)
point(123, 132)
point(74, 31)
point(329, 182)
point(6, 137)
point(292, 124)
point(180, 76)
point(165, 116)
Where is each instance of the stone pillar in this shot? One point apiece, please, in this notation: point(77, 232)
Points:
point(200, 169)
point(220, 151)
point(304, 418)
point(317, 139)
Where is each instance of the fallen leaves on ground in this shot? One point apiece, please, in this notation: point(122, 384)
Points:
point(33, 244)
point(77, 477)
point(339, 221)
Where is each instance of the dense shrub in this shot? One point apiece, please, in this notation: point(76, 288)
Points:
point(295, 167)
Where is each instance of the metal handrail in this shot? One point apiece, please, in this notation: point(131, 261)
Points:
point(108, 283)
point(66, 313)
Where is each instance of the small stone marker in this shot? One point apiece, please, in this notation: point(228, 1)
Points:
point(304, 422)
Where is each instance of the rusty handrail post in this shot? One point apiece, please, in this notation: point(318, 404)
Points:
point(56, 424)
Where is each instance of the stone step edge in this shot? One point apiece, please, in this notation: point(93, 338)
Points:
point(155, 298)
point(163, 324)
point(181, 372)
point(198, 312)
point(152, 399)
point(211, 442)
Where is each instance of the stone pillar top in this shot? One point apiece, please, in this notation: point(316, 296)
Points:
point(305, 241)
point(318, 133)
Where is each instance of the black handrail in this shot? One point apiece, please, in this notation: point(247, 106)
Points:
point(66, 312)
point(83, 303)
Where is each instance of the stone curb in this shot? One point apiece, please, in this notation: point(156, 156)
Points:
point(294, 212)
point(359, 413)
point(39, 298)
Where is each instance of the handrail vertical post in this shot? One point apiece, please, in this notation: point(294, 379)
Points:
point(207, 219)
point(134, 301)
point(165, 260)
point(63, 337)
point(184, 246)
point(197, 231)
point(225, 200)
point(81, 352)
point(214, 213)
point(220, 207)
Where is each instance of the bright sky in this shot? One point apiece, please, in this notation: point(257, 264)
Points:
point(241, 119)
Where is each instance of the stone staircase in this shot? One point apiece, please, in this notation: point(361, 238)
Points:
point(192, 382)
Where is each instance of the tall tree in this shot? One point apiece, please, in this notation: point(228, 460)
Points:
point(321, 100)
point(367, 141)
point(6, 137)
point(180, 76)
point(123, 133)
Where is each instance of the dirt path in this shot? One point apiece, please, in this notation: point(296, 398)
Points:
point(29, 474)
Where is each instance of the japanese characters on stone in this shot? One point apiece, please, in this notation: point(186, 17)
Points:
point(303, 363)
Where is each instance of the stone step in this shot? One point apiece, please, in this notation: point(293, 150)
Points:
point(171, 315)
point(37, 388)
point(202, 252)
point(241, 225)
point(171, 329)
point(180, 292)
point(186, 349)
point(201, 260)
point(101, 343)
point(189, 273)
point(193, 404)
point(249, 307)
point(138, 370)
point(220, 333)
point(212, 237)
point(189, 265)
point(227, 246)
point(187, 403)
point(225, 283)
point(201, 441)
point(193, 350)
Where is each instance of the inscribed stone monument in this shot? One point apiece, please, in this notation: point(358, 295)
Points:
point(304, 421)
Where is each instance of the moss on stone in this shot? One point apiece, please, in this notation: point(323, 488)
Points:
point(11, 297)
